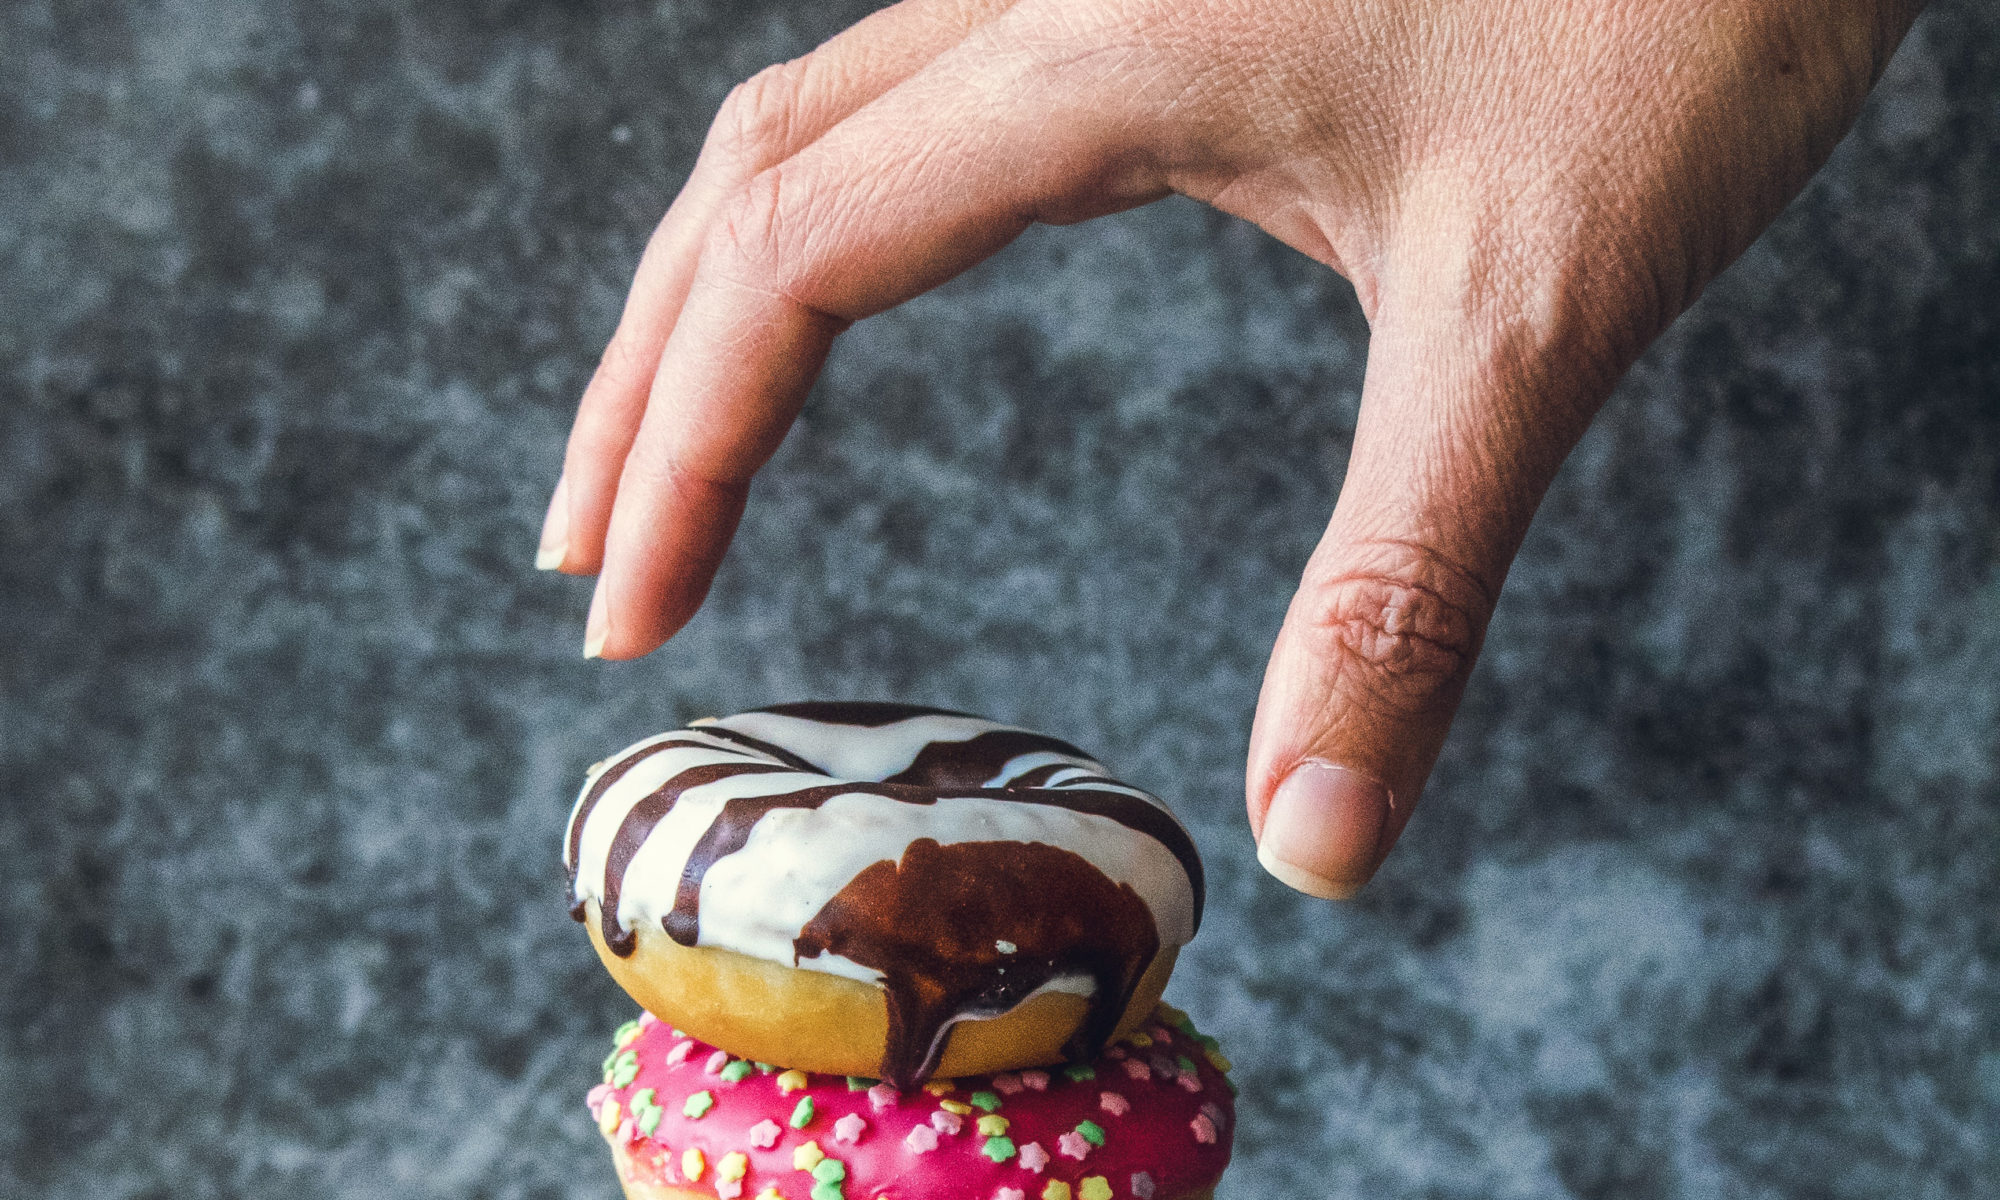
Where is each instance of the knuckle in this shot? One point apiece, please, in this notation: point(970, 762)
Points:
point(760, 115)
point(748, 239)
point(1398, 624)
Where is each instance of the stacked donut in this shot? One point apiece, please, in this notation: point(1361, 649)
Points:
point(893, 953)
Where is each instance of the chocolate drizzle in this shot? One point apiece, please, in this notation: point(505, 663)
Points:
point(970, 763)
point(974, 928)
point(863, 714)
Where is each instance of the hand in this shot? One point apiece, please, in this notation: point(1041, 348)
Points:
point(1523, 192)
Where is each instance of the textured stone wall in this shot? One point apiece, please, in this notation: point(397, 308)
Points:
point(295, 300)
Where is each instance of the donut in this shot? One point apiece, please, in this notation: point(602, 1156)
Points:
point(1151, 1118)
point(880, 889)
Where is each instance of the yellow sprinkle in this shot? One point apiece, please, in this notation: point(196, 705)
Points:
point(941, 1087)
point(770, 1193)
point(733, 1166)
point(607, 1117)
point(792, 1081)
point(992, 1125)
point(1095, 1188)
point(693, 1164)
point(1139, 1038)
point(955, 1106)
point(1057, 1190)
point(806, 1157)
point(1169, 1015)
point(1216, 1060)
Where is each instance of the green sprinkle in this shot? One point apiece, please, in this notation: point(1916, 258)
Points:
point(999, 1149)
point(1186, 1064)
point(1186, 1025)
point(828, 1190)
point(1206, 1042)
point(624, 1069)
point(697, 1105)
point(802, 1115)
point(736, 1072)
point(609, 1060)
point(643, 1098)
point(1092, 1132)
point(764, 1068)
point(829, 1170)
point(626, 1032)
point(990, 1101)
point(649, 1118)
point(860, 1083)
point(1078, 1072)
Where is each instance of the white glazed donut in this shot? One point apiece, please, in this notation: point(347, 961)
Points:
point(947, 867)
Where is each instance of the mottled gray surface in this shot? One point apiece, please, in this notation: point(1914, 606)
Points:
point(294, 304)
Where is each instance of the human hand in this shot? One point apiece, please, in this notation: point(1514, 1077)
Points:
point(1523, 192)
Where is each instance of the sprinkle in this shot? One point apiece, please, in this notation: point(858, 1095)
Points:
point(1037, 1081)
point(848, 1128)
point(882, 1096)
point(1114, 1104)
point(628, 1132)
point(947, 1122)
point(597, 1095)
point(1057, 1190)
point(990, 1101)
point(1204, 1129)
point(626, 1032)
point(1095, 1187)
point(859, 1083)
point(1010, 1194)
point(764, 1068)
point(1142, 1185)
point(736, 1072)
point(1189, 1082)
point(643, 1098)
point(792, 1081)
point(1137, 1070)
point(764, 1134)
point(734, 1165)
point(992, 1126)
point(1078, 1072)
point(1163, 1066)
point(999, 1149)
point(1185, 1063)
point(728, 1189)
point(1008, 1084)
point(802, 1116)
point(693, 1164)
point(624, 1069)
point(1214, 1112)
point(1114, 1053)
point(829, 1170)
point(1005, 947)
point(921, 1140)
point(941, 1087)
point(1217, 1059)
point(1092, 1132)
point(955, 1106)
point(828, 1190)
point(1140, 1039)
point(808, 1156)
point(1075, 1145)
point(607, 1118)
point(1034, 1158)
point(716, 1062)
point(647, 1020)
point(679, 1054)
point(770, 1193)
point(697, 1105)
point(649, 1119)
point(1169, 1014)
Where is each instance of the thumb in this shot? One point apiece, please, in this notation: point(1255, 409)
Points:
point(1458, 437)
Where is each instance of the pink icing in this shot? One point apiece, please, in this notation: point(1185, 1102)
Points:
point(1159, 1138)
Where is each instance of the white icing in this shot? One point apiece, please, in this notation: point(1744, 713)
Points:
point(758, 899)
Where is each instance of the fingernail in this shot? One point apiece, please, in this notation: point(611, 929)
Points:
point(555, 529)
point(1323, 830)
point(596, 628)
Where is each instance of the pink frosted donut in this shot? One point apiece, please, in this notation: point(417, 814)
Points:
point(1150, 1119)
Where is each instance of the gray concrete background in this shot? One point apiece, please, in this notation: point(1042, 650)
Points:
point(294, 304)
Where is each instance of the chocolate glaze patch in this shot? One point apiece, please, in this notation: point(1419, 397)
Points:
point(974, 928)
point(863, 714)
